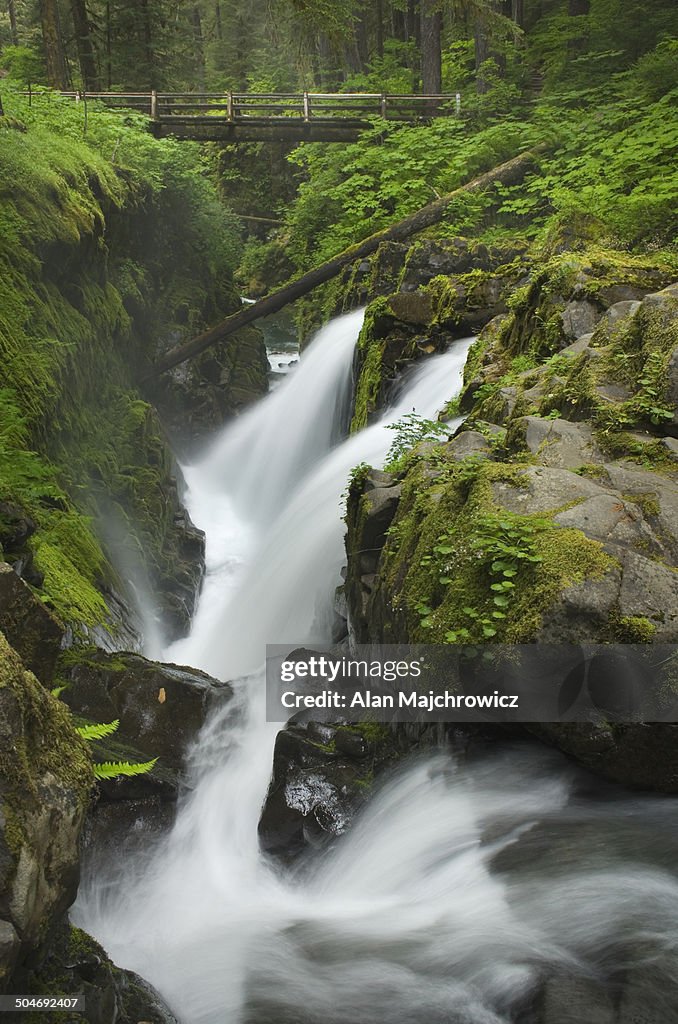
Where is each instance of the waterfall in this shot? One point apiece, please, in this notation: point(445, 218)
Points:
point(455, 890)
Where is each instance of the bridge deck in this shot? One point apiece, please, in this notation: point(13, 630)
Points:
point(252, 117)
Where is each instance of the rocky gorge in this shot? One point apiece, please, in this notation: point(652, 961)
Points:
point(569, 436)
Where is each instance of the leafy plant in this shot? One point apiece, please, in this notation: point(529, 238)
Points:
point(112, 769)
point(409, 431)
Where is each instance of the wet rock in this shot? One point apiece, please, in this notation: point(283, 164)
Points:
point(29, 626)
point(640, 756)
point(573, 1000)
point(318, 784)
point(45, 784)
point(379, 507)
point(78, 965)
point(161, 709)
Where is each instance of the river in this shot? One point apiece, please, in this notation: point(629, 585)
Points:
point(465, 882)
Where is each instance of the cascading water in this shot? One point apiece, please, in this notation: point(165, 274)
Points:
point(457, 887)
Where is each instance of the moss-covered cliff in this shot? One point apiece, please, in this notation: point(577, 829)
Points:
point(112, 245)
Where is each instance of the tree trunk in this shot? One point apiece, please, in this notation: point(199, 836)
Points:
point(361, 42)
point(13, 33)
point(54, 49)
point(147, 38)
point(483, 45)
point(109, 48)
point(199, 47)
point(518, 12)
point(509, 173)
point(379, 27)
point(431, 33)
point(217, 21)
point(577, 9)
point(85, 46)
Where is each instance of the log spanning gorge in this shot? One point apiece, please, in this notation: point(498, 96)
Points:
point(496, 887)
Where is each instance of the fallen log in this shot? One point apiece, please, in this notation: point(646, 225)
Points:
point(510, 173)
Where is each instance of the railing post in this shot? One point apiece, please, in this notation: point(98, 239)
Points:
point(30, 95)
point(307, 108)
point(457, 104)
point(383, 105)
point(229, 107)
point(154, 104)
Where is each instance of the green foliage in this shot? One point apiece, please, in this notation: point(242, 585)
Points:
point(109, 241)
point(24, 65)
point(97, 732)
point(410, 430)
point(112, 769)
point(122, 769)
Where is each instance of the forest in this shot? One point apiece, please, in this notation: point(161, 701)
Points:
point(447, 440)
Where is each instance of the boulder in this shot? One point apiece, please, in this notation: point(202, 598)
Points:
point(579, 317)
point(558, 442)
point(321, 777)
point(161, 709)
point(544, 489)
point(34, 632)
point(468, 443)
point(78, 965)
point(639, 756)
point(45, 784)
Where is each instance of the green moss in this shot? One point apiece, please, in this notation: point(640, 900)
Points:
point(439, 582)
point(371, 732)
point(86, 292)
point(647, 502)
point(633, 629)
point(369, 384)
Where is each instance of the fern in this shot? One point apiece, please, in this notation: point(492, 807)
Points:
point(97, 732)
point(112, 769)
point(119, 769)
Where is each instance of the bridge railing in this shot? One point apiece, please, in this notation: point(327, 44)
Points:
point(236, 108)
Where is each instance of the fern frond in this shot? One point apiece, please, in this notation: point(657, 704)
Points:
point(97, 732)
point(120, 769)
point(58, 690)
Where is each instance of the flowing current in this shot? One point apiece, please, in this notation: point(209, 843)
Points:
point(464, 883)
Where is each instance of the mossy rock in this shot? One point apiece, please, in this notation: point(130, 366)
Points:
point(45, 785)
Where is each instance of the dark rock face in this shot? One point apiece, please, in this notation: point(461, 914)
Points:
point(321, 776)
point(77, 964)
point(161, 709)
point(45, 782)
point(197, 398)
point(16, 527)
point(28, 625)
point(641, 756)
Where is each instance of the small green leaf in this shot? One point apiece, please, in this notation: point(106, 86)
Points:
point(122, 769)
point(97, 732)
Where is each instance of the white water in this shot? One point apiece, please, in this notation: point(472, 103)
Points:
point(404, 920)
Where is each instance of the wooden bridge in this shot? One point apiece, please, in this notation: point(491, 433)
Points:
point(261, 117)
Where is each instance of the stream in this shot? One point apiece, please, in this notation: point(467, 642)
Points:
point(466, 884)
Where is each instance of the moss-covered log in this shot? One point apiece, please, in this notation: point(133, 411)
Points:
point(509, 173)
